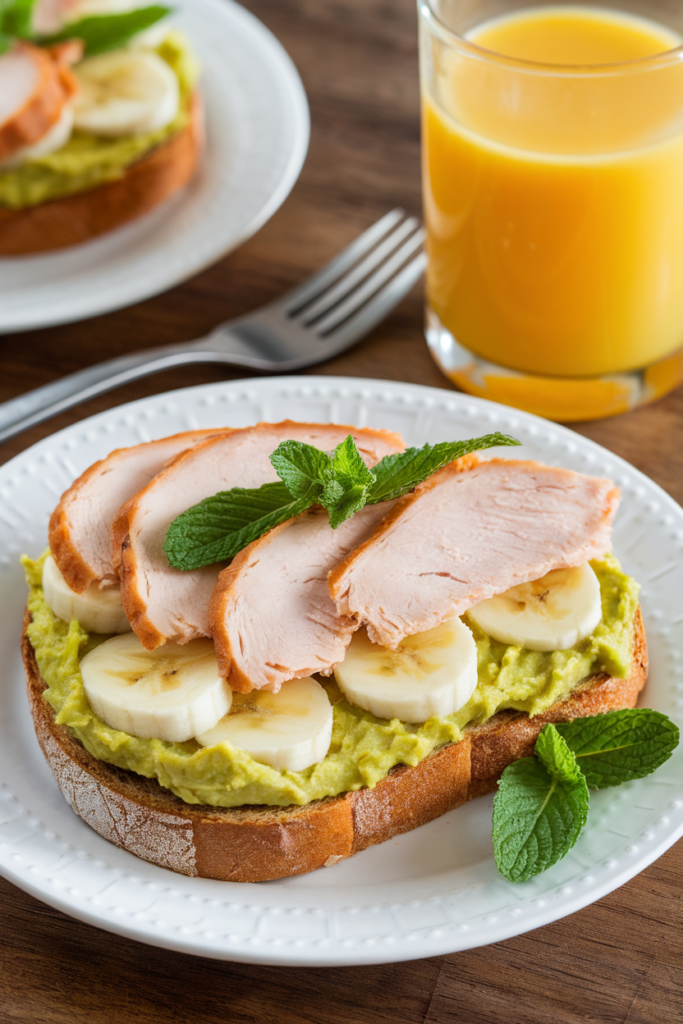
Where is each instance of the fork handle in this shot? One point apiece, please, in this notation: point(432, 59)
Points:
point(42, 403)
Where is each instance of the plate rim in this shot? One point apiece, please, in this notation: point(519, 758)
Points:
point(299, 145)
point(439, 943)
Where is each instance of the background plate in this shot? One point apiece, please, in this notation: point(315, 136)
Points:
point(433, 891)
point(257, 137)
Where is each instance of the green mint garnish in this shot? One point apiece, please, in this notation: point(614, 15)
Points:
point(16, 17)
point(542, 802)
point(398, 474)
point(218, 527)
point(621, 745)
point(340, 482)
point(104, 32)
point(539, 810)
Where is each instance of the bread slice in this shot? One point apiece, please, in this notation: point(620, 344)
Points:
point(255, 844)
point(78, 218)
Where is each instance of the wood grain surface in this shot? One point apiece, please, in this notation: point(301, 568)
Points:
point(617, 962)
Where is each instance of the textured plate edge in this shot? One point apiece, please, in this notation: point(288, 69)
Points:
point(378, 953)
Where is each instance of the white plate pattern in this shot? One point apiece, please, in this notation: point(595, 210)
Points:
point(257, 138)
point(433, 891)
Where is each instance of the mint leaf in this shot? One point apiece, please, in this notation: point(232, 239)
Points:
point(553, 752)
point(220, 526)
point(5, 43)
point(349, 484)
point(396, 475)
point(537, 817)
point(620, 745)
point(104, 32)
point(16, 18)
point(340, 483)
point(303, 468)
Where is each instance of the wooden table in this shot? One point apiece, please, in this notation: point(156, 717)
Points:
point(618, 961)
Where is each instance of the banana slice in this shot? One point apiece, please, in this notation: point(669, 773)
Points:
point(127, 92)
point(97, 610)
point(430, 673)
point(550, 614)
point(172, 693)
point(288, 730)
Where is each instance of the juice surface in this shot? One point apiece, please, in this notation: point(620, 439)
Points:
point(554, 208)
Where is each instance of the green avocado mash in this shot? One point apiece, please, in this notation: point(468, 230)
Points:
point(89, 160)
point(363, 748)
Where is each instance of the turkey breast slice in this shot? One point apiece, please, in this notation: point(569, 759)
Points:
point(35, 85)
point(163, 603)
point(81, 525)
point(272, 618)
point(471, 531)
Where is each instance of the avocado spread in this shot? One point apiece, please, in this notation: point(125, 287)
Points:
point(363, 748)
point(86, 160)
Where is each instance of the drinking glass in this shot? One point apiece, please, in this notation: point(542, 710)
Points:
point(553, 199)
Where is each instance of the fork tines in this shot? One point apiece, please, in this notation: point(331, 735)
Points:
point(358, 287)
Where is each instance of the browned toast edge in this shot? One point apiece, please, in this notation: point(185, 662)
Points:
point(77, 218)
point(255, 844)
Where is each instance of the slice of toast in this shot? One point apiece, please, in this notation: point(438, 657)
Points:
point(78, 218)
point(255, 844)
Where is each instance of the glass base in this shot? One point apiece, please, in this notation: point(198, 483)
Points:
point(564, 399)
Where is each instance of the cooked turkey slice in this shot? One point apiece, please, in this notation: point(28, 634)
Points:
point(471, 531)
point(163, 603)
point(35, 85)
point(80, 526)
point(272, 618)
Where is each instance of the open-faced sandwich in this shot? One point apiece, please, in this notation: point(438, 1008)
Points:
point(100, 118)
point(251, 653)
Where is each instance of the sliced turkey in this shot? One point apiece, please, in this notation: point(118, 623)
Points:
point(163, 603)
point(35, 86)
point(471, 531)
point(272, 618)
point(80, 526)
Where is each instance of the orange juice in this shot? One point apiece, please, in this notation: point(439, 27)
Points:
point(553, 202)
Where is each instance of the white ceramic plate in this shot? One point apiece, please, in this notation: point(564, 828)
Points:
point(257, 138)
point(433, 891)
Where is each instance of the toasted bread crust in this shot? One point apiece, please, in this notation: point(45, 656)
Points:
point(78, 218)
point(255, 844)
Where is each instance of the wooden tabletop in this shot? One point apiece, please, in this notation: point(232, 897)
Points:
point(616, 962)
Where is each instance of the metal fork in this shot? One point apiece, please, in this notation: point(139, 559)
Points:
point(308, 325)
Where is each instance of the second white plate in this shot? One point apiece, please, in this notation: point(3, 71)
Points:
point(257, 139)
point(432, 891)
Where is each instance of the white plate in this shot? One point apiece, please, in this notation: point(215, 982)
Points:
point(257, 138)
point(433, 891)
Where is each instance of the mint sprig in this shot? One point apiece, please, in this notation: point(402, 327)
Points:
point(16, 18)
point(103, 32)
point(541, 805)
point(398, 474)
point(539, 810)
point(220, 526)
point(620, 746)
point(340, 482)
point(15, 21)
point(99, 33)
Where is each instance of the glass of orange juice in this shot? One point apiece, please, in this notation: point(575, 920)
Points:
point(553, 194)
